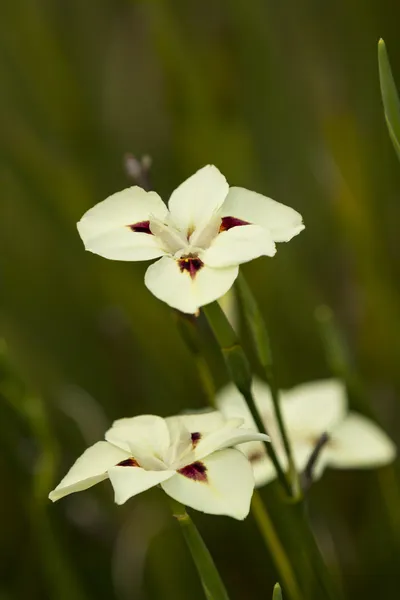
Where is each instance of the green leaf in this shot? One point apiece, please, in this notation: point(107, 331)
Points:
point(277, 593)
point(390, 97)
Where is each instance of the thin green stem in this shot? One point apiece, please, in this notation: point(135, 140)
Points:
point(213, 586)
point(240, 372)
point(273, 542)
point(260, 337)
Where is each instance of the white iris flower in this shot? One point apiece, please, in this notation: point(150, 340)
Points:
point(206, 232)
point(309, 410)
point(190, 457)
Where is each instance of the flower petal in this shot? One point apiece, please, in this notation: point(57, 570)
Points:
point(280, 220)
point(359, 443)
point(89, 469)
point(231, 434)
point(238, 245)
point(184, 292)
point(313, 408)
point(200, 421)
point(226, 488)
point(145, 437)
point(232, 404)
point(198, 198)
point(263, 469)
point(105, 228)
point(130, 481)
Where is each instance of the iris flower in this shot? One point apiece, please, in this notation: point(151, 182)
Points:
point(190, 457)
point(206, 232)
point(309, 410)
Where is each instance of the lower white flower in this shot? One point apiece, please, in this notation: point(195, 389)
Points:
point(191, 458)
point(309, 410)
point(207, 230)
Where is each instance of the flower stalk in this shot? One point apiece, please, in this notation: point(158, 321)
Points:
point(240, 372)
point(260, 337)
point(278, 553)
point(211, 581)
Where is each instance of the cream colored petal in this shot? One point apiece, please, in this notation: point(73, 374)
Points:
point(225, 489)
point(145, 437)
point(198, 199)
point(105, 229)
point(280, 220)
point(310, 409)
point(89, 469)
point(131, 481)
point(239, 245)
point(178, 289)
point(358, 443)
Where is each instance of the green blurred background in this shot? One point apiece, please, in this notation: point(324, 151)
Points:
point(284, 98)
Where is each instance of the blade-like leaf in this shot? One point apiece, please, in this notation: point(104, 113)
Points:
point(277, 593)
point(390, 97)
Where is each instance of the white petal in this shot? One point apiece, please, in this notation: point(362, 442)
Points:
point(231, 434)
point(181, 443)
point(200, 421)
point(130, 481)
point(313, 408)
point(227, 490)
point(168, 283)
point(198, 198)
point(280, 220)
point(239, 245)
point(145, 437)
point(105, 230)
point(89, 469)
point(263, 469)
point(359, 443)
point(232, 404)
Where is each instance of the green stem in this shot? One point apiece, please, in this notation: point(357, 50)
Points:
point(260, 337)
point(240, 372)
point(213, 586)
point(273, 542)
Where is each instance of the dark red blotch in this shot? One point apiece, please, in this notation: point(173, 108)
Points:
point(128, 462)
point(229, 222)
point(142, 227)
point(196, 437)
point(191, 264)
point(197, 471)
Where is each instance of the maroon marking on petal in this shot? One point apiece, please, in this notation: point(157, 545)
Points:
point(196, 437)
point(128, 462)
point(229, 222)
point(191, 264)
point(197, 471)
point(142, 227)
point(256, 456)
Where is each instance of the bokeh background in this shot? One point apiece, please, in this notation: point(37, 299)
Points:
point(284, 98)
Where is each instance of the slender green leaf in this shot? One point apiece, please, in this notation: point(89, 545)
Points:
point(212, 583)
point(390, 96)
point(277, 593)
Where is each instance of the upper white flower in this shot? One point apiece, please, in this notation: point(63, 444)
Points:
point(189, 456)
point(207, 230)
point(309, 410)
